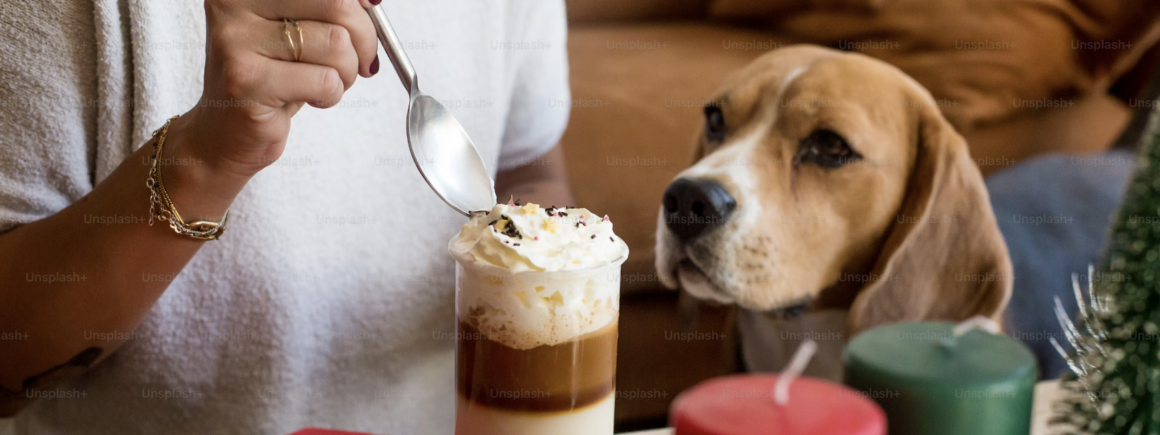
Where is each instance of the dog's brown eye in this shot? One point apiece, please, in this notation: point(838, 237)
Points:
point(827, 149)
point(714, 123)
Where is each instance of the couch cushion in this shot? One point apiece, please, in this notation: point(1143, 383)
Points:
point(1090, 125)
point(603, 11)
point(637, 96)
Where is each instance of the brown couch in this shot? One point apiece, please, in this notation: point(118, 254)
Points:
point(642, 69)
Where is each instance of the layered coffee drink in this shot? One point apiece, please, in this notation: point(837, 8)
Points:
point(537, 302)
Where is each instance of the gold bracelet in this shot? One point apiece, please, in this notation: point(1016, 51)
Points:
point(158, 197)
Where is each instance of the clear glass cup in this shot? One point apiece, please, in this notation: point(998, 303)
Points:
point(536, 351)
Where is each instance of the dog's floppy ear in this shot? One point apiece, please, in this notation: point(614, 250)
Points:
point(944, 257)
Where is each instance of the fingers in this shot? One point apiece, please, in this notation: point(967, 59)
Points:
point(322, 44)
point(316, 85)
point(350, 14)
point(275, 83)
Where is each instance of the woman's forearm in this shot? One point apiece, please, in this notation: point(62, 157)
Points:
point(544, 181)
point(74, 284)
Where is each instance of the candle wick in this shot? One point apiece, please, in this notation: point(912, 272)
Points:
point(797, 365)
point(977, 322)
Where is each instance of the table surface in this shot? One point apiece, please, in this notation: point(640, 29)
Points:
point(1044, 394)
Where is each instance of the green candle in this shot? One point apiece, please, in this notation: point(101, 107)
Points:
point(932, 379)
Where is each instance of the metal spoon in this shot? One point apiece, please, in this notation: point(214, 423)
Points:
point(443, 152)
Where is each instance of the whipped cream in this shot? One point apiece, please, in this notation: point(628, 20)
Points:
point(529, 276)
point(531, 238)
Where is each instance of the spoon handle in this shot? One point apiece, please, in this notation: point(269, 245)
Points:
point(394, 48)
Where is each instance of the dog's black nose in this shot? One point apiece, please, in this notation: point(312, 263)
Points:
point(693, 206)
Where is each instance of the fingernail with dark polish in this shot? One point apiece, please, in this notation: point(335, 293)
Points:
point(375, 64)
point(376, 2)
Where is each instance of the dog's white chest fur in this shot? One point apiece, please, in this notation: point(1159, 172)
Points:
point(768, 341)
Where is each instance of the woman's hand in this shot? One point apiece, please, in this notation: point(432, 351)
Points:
point(253, 85)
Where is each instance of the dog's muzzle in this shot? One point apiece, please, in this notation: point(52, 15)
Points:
point(694, 206)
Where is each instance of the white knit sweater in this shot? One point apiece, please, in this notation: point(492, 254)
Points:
point(330, 301)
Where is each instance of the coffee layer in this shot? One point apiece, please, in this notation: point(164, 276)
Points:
point(554, 378)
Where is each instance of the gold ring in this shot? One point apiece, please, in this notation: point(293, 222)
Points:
point(296, 47)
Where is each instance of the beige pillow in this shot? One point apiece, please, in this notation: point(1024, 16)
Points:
point(984, 60)
point(596, 11)
point(764, 9)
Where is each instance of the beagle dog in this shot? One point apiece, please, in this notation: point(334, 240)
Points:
point(829, 196)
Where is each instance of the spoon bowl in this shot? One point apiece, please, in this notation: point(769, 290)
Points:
point(447, 158)
point(444, 153)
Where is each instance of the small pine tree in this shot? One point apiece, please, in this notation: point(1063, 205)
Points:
point(1115, 387)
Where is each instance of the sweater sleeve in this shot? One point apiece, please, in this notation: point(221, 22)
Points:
point(540, 94)
point(48, 104)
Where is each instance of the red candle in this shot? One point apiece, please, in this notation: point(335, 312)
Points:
point(317, 431)
point(745, 405)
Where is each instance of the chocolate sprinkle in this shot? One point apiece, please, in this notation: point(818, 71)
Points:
point(593, 236)
point(515, 244)
point(492, 223)
point(610, 239)
point(510, 230)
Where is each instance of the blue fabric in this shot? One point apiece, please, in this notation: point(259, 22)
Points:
point(1054, 212)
